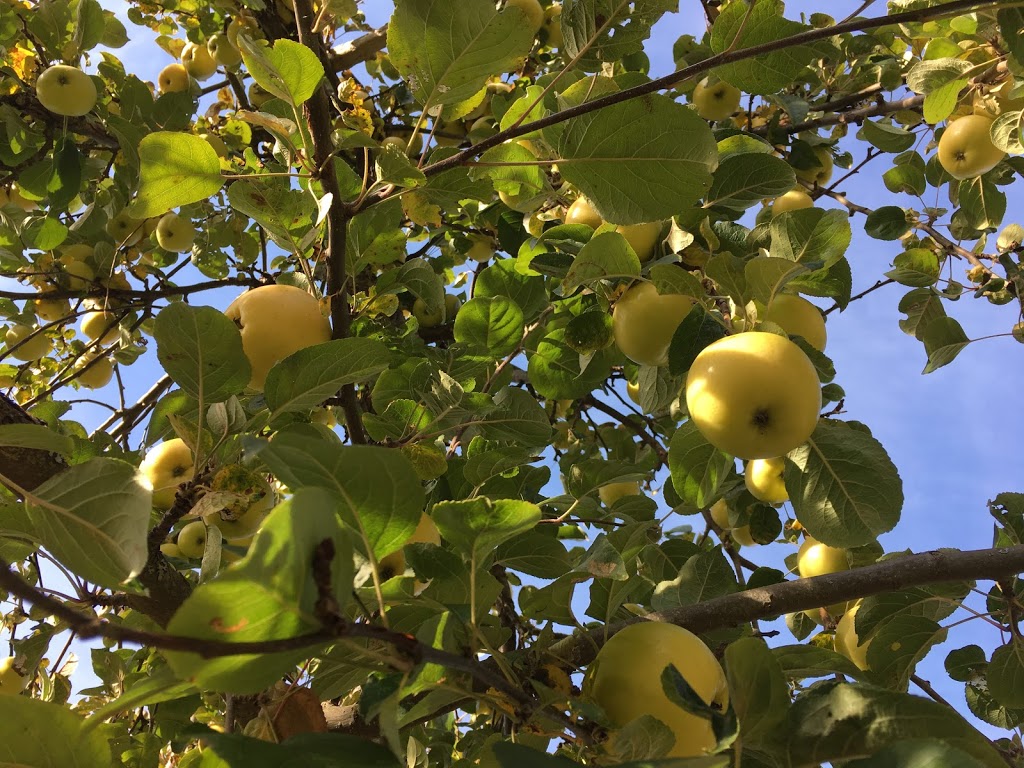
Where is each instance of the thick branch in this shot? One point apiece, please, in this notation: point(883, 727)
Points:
point(26, 467)
point(802, 594)
point(144, 295)
point(364, 48)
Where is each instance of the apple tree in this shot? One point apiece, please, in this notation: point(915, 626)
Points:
point(438, 386)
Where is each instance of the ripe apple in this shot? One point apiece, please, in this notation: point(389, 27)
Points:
point(531, 10)
point(12, 682)
point(794, 200)
point(167, 466)
point(394, 564)
point(625, 679)
point(124, 228)
point(276, 321)
point(633, 391)
point(51, 310)
point(427, 319)
point(966, 149)
point(753, 395)
point(192, 540)
point(848, 643)
point(175, 233)
point(553, 37)
point(75, 252)
point(482, 250)
point(798, 317)
point(258, 95)
point(821, 173)
point(644, 321)
point(524, 202)
point(197, 61)
point(720, 514)
point(97, 375)
point(450, 134)
point(243, 23)
point(102, 325)
point(764, 479)
point(223, 52)
point(66, 91)
point(172, 79)
point(36, 347)
point(412, 149)
point(817, 559)
point(582, 211)
point(642, 238)
point(715, 102)
point(170, 549)
point(80, 275)
point(612, 492)
point(13, 196)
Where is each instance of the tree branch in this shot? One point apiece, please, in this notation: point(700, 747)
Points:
point(364, 48)
point(631, 424)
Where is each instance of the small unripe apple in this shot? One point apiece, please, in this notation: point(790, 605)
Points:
point(426, 318)
point(798, 317)
point(101, 325)
point(821, 173)
point(715, 102)
point(34, 348)
point(394, 564)
point(258, 95)
point(216, 142)
point(170, 549)
point(66, 91)
point(197, 61)
point(720, 514)
point(553, 37)
point(97, 375)
point(175, 233)
point(192, 540)
point(817, 559)
point(173, 78)
point(612, 492)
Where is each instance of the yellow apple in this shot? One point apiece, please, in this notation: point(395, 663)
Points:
point(523, 202)
point(764, 479)
point(715, 102)
point(753, 395)
point(583, 212)
point(821, 173)
point(97, 375)
point(34, 348)
point(66, 91)
point(223, 52)
point(394, 564)
point(625, 679)
point(192, 540)
point(482, 250)
point(80, 275)
point(817, 559)
point(170, 549)
point(51, 310)
point(125, 229)
point(966, 149)
point(720, 514)
point(258, 95)
point(243, 23)
point(216, 142)
point(644, 321)
point(427, 319)
point(167, 466)
point(553, 37)
point(13, 196)
point(12, 682)
point(173, 79)
point(848, 643)
point(798, 317)
point(276, 321)
point(197, 61)
point(175, 233)
point(101, 325)
point(77, 252)
point(531, 10)
point(794, 200)
point(633, 391)
point(612, 492)
point(642, 238)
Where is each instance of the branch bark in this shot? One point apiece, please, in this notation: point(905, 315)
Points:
point(364, 48)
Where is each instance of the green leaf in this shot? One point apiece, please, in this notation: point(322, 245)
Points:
point(918, 753)
point(518, 418)
point(767, 276)
point(93, 517)
point(916, 267)
point(835, 282)
point(502, 279)
point(803, 661)
point(811, 235)
point(476, 526)
point(758, 691)
point(555, 370)
point(446, 51)
point(606, 256)
point(289, 70)
point(745, 180)
point(419, 278)
point(1011, 22)
point(159, 686)
point(697, 331)
point(176, 169)
point(507, 175)
point(844, 488)
point(40, 734)
point(922, 306)
point(898, 645)
point(306, 750)
point(599, 31)
point(491, 326)
point(982, 204)
point(742, 26)
point(535, 554)
point(883, 135)
point(375, 236)
point(702, 577)
point(964, 663)
point(729, 272)
point(887, 223)
point(381, 497)
point(929, 76)
point(696, 466)
point(306, 378)
point(35, 436)
point(285, 213)
point(1006, 674)
point(940, 103)
point(269, 595)
point(393, 166)
point(833, 722)
point(660, 166)
point(201, 349)
point(1007, 134)
point(943, 340)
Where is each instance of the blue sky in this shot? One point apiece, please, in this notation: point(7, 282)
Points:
point(953, 434)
